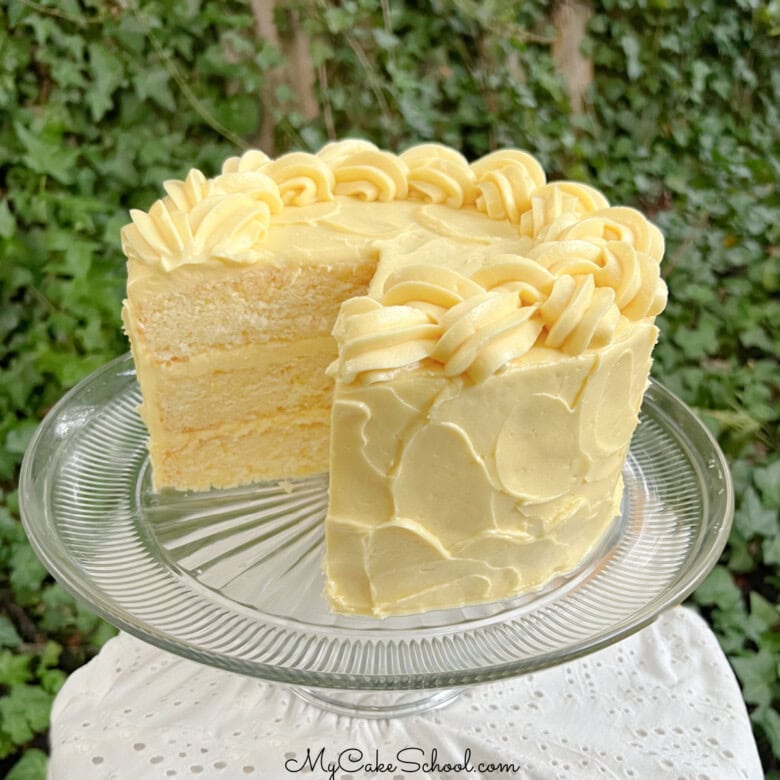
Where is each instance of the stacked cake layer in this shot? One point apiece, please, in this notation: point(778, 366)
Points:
point(232, 388)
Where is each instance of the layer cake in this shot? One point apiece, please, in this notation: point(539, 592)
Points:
point(491, 343)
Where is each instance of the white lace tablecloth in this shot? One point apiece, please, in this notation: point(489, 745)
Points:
point(661, 704)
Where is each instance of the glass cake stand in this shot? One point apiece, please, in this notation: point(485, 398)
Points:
point(233, 579)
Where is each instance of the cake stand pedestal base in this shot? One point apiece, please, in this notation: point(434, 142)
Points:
point(377, 704)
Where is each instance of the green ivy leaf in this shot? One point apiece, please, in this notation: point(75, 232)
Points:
point(338, 20)
point(699, 341)
point(768, 720)
point(24, 712)
point(7, 220)
point(108, 76)
point(757, 673)
point(700, 72)
point(757, 338)
point(767, 480)
point(52, 680)
point(43, 156)
point(50, 655)
point(763, 613)
point(241, 113)
point(8, 634)
point(321, 52)
point(17, 439)
point(269, 56)
point(753, 519)
point(154, 84)
point(719, 589)
point(631, 48)
point(14, 669)
point(771, 551)
point(31, 766)
point(27, 572)
point(384, 39)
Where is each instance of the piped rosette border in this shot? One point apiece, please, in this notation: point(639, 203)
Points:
point(227, 218)
point(571, 296)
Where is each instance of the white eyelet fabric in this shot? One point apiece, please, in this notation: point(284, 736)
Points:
point(663, 703)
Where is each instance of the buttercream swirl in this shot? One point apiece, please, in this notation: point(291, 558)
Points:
point(434, 288)
point(633, 275)
point(557, 206)
point(438, 174)
point(569, 256)
point(252, 160)
point(531, 281)
point(636, 279)
point(183, 195)
point(371, 174)
point(485, 332)
point(506, 180)
point(336, 151)
point(579, 315)
point(620, 223)
point(254, 185)
point(471, 326)
point(302, 178)
point(227, 223)
point(373, 337)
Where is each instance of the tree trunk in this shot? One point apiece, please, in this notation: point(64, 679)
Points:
point(571, 19)
point(297, 71)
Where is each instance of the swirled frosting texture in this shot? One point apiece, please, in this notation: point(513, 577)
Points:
point(479, 428)
point(199, 220)
point(446, 492)
point(572, 297)
point(483, 412)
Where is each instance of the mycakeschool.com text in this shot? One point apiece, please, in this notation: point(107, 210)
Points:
point(407, 760)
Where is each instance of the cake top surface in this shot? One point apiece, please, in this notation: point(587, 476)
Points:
point(230, 218)
point(480, 264)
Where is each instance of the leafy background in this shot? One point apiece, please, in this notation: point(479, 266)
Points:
point(101, 101)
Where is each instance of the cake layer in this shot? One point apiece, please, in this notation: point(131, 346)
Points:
point(446, 492)
point(284, 445)
point(177, 317)
point(220, 386)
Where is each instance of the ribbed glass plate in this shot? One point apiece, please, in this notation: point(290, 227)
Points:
point(233, 578)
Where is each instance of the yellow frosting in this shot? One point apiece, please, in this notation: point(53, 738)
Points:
point(438, 174)
point(200, 220)
point(507, 181)
point(477, 325)
point(302, 179)
point(445, 491)
point(484, 403)
point(479, 429)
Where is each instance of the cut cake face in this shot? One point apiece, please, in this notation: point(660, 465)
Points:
point(489, 357)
